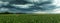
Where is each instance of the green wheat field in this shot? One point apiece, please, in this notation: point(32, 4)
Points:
point(29, 18)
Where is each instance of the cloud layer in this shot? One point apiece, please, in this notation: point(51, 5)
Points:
point(32, 6)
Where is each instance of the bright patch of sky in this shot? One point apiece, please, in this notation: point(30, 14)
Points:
point(23, 6)
point(3, 3)
point(56, 2)
point(56, 10)
point(4, 9)
point(40, 12)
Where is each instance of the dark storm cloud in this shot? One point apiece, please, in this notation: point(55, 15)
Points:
point(20, 6)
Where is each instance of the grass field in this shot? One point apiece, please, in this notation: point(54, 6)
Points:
point(29, 18)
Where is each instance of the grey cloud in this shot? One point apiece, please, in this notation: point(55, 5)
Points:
point(22, 7)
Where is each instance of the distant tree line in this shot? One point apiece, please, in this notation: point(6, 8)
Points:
point(11, 13)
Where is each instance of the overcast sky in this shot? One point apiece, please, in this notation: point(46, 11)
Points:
point(33, 6)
